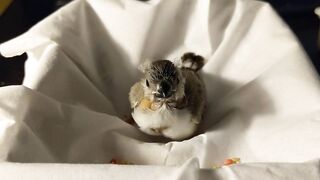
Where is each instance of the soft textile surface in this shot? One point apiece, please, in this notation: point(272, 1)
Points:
point(263, 93)
point(189, 171)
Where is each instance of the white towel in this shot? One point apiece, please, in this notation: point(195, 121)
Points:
point(263, 93)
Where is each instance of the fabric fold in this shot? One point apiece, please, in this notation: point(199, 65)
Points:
point(262, 93)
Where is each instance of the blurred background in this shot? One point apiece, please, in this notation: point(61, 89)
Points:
point(17, 16)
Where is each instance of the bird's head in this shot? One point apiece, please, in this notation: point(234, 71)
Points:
point(163, 81)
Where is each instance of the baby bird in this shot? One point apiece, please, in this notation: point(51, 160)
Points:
point(170, 99)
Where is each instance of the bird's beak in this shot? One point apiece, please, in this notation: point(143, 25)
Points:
point(164, 90)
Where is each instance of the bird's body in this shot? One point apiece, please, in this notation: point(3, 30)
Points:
point(177, 115)
point(172, 123)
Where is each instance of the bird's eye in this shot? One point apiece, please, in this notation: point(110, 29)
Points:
point(147, 83)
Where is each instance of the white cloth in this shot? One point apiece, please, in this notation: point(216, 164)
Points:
point(263, 93)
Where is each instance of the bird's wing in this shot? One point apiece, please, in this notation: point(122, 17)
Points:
point(136, 94)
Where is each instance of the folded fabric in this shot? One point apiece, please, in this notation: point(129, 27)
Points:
point(263, 93)
point(189, 171)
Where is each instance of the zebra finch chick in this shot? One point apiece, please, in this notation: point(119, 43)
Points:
point(169, 100)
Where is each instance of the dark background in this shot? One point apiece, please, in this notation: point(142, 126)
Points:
point(22, 14)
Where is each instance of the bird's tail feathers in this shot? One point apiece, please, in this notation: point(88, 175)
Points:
point(192, 61)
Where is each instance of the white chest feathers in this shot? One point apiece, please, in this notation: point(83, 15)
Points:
point(171, 123)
